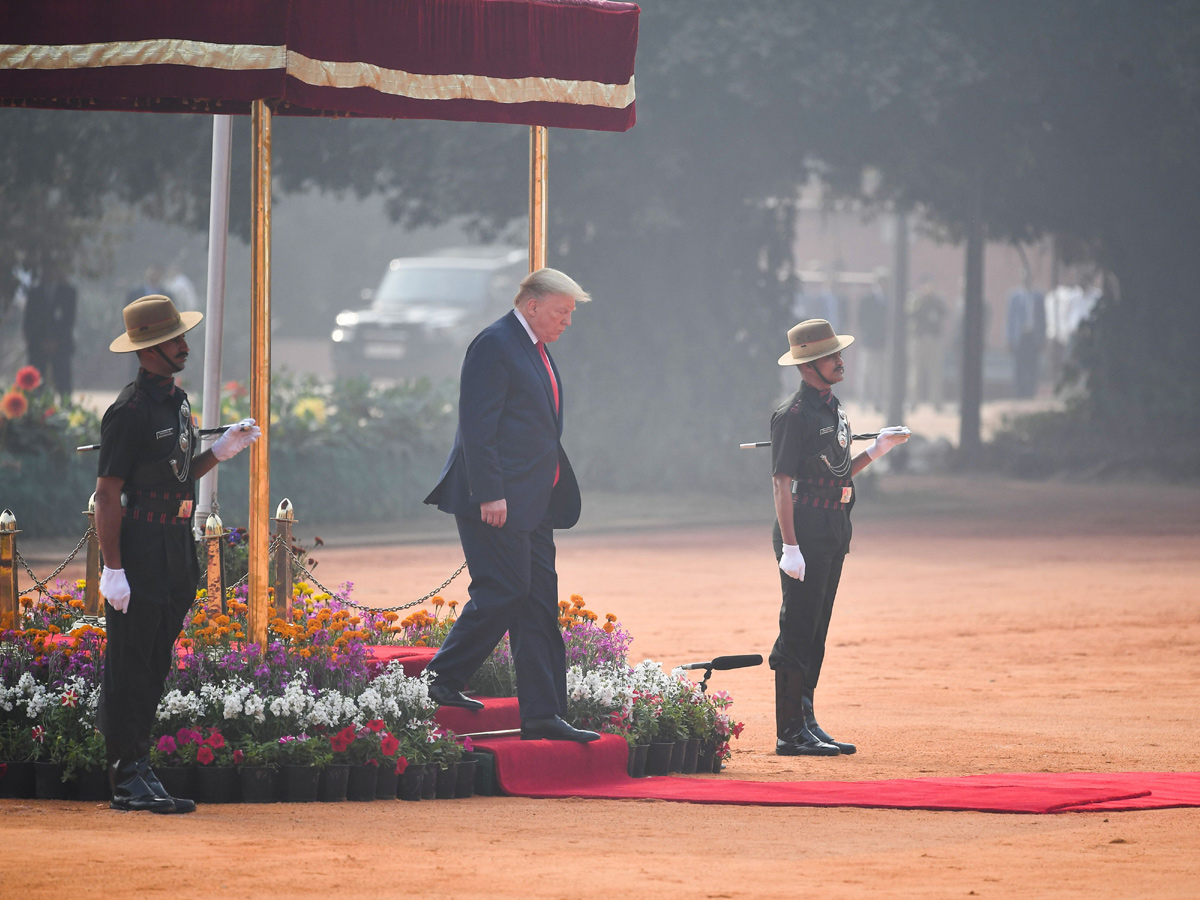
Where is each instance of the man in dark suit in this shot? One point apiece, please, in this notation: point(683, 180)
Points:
point(508, 484)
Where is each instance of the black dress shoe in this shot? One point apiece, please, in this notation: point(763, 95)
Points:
point(799, 741)
point(443, 695)
point(156, 787)
point(130, 792)
point(553, 728)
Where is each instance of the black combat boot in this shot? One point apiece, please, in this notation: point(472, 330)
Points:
point(156, 786)
point(810, 720)
point(130, 792)
point(792, 735)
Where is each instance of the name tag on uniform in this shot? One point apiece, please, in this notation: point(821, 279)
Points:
point(185, 509)
point(847, 493)
point(825, 431)
point(166, 432)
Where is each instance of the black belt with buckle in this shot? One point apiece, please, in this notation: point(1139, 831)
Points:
point(178, 507)
point(822, 491)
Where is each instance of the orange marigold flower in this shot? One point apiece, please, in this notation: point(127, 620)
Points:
point(14, 405)
point(438, 601)
point(610, 627)
point(453, 604)
point(563, 605)
point(610, 617)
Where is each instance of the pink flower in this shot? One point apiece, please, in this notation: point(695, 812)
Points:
point(186, 736)
point(401, 764)
point(166, 744)
point(238, 757)
point(39, 734)
point(389, 745)
point(215, 739)
point(468, 744)
point(204, 755)
point(376, 725)
point(737, 728)
point(70, 698)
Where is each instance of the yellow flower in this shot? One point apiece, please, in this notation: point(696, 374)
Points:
point(310, 408)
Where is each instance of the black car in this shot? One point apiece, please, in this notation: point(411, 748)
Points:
point(424, 313)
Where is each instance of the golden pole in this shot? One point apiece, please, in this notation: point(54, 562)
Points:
point(10, 599)
point(537, 197)
point(260, 372)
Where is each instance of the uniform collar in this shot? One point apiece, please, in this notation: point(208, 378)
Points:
point(158, 387)
point(818, 396)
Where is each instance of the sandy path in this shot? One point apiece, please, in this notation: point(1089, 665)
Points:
point(981, 627)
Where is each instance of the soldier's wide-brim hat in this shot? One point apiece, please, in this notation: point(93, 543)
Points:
point(151, 320)
point(813, 339)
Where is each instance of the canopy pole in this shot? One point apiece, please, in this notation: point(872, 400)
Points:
point(218, 238)
point(537, 197)
point(260, 372)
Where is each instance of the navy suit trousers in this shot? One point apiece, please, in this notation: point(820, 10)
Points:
point(514, 588)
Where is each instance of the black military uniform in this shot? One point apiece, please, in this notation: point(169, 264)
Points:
point(147, 439)
point(810, 443)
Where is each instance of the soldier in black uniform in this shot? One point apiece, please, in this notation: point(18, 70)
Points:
point(148, 453)
point(813, 469)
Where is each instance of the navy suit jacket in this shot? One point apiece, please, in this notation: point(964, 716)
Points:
point(507, 445)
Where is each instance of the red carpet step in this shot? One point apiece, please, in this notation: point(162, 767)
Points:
point(547, 769)
point(499, 714)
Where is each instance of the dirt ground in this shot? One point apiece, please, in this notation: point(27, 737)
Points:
point(982, 626)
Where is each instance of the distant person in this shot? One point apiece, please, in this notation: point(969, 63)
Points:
point(49, 326)
point(181, 290)
point(508, 484)
point(151, 283)
point(1026, 332)
point(872, 353)
point(812, 468)
point(927, 326)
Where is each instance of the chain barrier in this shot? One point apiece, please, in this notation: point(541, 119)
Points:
point(276, 543)
point(40, 586)
point(298, 559)
point(375, 609)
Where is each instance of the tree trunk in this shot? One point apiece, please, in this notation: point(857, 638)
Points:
point(969, 431)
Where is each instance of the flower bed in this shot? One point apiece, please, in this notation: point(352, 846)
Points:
point(313, 697)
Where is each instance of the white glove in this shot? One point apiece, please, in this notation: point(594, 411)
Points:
point(236, 439)
point(115, 588)
point(792, 561)
point(889, 437)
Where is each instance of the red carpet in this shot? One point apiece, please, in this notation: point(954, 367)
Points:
point(597, 770)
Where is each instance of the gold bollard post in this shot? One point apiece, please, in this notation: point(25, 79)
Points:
point(214, 554)
point(92, 604)
point(10, 603)
point(285, 518)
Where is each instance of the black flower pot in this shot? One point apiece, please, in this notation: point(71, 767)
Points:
point(300, 783)
point(216, 784)
point(691, 756)
point(658, 759)
point(334, 779)
point(678, 749)
point(178, 781)
point(361, 787)
point(92, 785)
point(48, 781)
point(637, 760)
point(718, 765)
point(17, 780)
point(386, 781)
point(429, 782)
point(704, 762)
point(257, 784)
point(447, 782)
point(464, 785)
point(410, 783)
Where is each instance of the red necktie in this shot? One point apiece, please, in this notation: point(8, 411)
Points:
point(554, 384)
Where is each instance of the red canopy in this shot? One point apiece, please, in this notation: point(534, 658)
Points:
point(561, 63)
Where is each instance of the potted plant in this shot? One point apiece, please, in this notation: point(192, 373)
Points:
point(173, 758)
point(257, 763)
point(17, 753)
point(83, 763)
point(446, 753)
point(216, 777)
point(301, 758)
